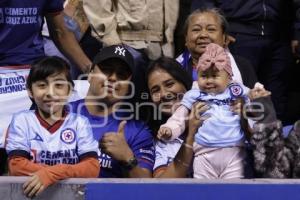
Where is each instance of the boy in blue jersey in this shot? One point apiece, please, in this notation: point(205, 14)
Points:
point(218, 146)
point(126, 144)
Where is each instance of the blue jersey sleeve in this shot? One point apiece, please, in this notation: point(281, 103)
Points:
point(190, 97)
point(143, 148)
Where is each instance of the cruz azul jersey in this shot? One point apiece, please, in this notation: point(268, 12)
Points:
point(65, 142)
point(222, 128)
point(137, 135)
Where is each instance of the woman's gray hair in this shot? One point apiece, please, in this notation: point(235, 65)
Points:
point(217, 12)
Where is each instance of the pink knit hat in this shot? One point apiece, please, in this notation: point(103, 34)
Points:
point(215, 55)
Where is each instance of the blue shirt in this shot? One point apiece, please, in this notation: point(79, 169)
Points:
point(222, 128)
point(20, 29)
point(137, 134)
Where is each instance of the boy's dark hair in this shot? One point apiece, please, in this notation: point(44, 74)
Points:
point(47, 66)
point(172, 67)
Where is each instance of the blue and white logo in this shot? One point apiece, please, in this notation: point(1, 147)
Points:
point(68, 136)
point(235, 90)
point(38, 138)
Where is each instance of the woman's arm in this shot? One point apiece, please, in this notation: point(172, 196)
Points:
point(66, 41)
point(180, 166)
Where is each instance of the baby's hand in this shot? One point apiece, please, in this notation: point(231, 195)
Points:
point(164, 133)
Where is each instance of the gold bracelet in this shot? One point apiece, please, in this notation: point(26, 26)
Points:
point(182, 163)
point(188, 145)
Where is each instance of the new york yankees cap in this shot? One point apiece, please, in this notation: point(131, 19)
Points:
point(115, 52)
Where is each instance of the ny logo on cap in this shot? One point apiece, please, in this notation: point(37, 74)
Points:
point(120, 51)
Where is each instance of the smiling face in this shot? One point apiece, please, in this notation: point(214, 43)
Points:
point(51, 94)
point(203, 28)
point(165, 90)
point(213, 81)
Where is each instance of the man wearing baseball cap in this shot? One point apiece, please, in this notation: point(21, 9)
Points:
point(126, 145)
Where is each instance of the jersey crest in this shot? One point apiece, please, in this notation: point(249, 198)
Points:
point(235, 90)
point(68, 136)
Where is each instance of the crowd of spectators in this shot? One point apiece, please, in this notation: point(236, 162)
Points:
point(143, 62)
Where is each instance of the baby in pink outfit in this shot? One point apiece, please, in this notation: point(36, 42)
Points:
point(219, 142)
